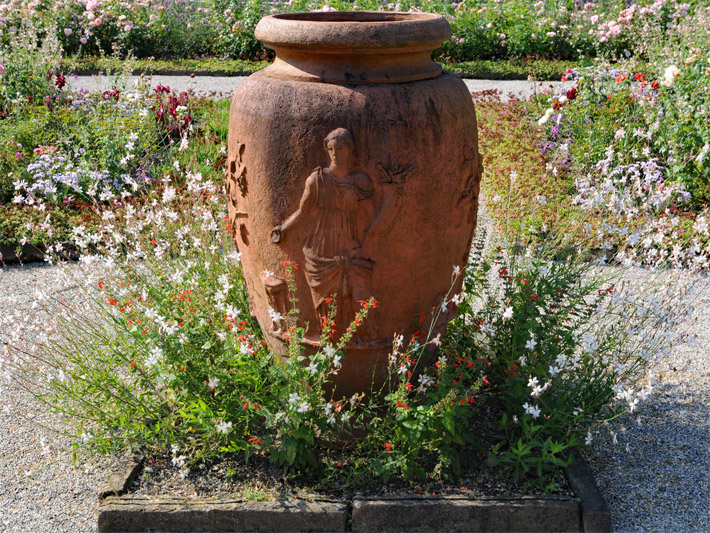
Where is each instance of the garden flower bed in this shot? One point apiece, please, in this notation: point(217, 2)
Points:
point(225, 28)
point(159, 350)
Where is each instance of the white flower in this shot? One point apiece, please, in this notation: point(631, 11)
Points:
point(344, 418)
point(276, 317)
point(213, 383)
point(588, 439)
point(155, 357)
point(399, 341)
point(530, 345)
point(336, 361)
point(457, 270)
point(546, 116)
point(425, 382)
point(437, 340)
point(224, 427)
point(184, 143)
point(533, 382)
point(329, 351)
point(268, 273)
point(312, 368)
point(537, 391)
point(508, 313)
point(303, 407)
point(294, 398)
point(179, 461)
point(531, 410)
point(669, 75)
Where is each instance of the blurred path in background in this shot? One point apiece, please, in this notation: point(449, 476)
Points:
point(224, 86)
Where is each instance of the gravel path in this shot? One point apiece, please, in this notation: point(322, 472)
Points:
point(41, 490)
point(225, 85)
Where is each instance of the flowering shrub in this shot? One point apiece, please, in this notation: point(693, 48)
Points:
point(90, 146)
point(171, 110)
point(569, 347)
point(158, 349)
point(638, 144)
point(29, 69)
point(481, 29)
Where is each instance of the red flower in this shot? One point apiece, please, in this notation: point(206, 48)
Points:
point(572, 93)
point(640, 77)
point(620, 78)
point(654, 84)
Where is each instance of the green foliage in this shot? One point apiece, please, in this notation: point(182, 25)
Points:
point(481, 29)
point(29, 62)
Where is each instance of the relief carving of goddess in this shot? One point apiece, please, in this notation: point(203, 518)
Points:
point(337, 205)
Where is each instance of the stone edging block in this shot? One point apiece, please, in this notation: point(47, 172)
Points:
point(33, 254)
point(463, 514)
point(596, 516)
point(130, 513)
point(141, 513)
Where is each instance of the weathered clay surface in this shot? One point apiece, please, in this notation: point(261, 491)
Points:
point(369, 185)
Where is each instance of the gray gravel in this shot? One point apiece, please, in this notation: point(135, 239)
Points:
point(226, 85)
point(41, 489)
point(661, 481)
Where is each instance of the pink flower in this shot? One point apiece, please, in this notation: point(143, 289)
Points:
point(18, 155)
point(82, 40)
point(68, 31)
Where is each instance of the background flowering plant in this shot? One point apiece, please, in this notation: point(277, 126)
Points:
point(482, 29)
point(636, 144)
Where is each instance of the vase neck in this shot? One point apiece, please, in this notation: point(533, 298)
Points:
point(353, 48)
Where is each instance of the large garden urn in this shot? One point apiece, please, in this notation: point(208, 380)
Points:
point(354, 157)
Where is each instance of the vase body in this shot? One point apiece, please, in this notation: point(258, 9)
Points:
point(355, 158)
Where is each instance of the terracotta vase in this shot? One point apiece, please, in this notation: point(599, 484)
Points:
point(354, 156)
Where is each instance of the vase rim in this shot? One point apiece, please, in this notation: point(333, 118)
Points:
point(353, 30)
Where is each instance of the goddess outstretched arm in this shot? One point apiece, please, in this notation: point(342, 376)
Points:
point(307, 202)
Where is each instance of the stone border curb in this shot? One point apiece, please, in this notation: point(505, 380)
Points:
point(141, 513)
point(128, 513)
point(33, 254)
point(464, 514)
point(120, 481)
point(596, 516)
